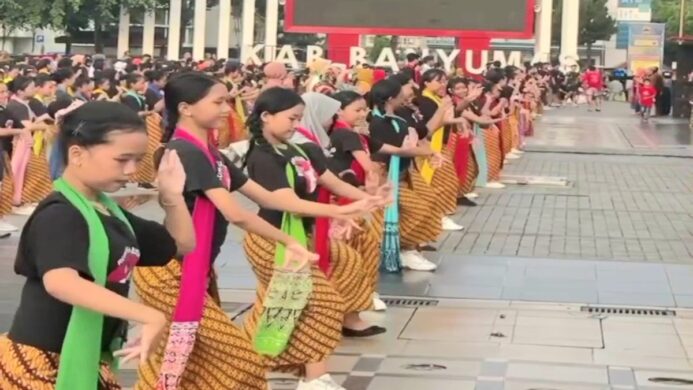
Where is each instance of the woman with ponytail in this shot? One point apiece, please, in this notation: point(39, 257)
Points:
point(412, 223)
point(331, 310)
point(433, 99)
point(216, 354)
point(77, 252)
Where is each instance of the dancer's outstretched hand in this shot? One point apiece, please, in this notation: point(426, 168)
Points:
point(298, 258)
point(149, 339)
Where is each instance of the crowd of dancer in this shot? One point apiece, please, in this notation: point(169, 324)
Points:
point(355, 172)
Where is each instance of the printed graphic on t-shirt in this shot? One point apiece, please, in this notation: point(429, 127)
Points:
point(126, 264)
point(305, 169)
point(223, 173)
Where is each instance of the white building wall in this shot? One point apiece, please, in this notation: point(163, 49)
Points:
point(38, 41)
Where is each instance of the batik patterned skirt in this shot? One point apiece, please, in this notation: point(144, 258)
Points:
point(146, 172)
point(223, 357)
point(367, 244)
point(445, 183)
point(506, 132)
point(23, 367)
point(493, 152)
point(472, 172)
point(7, 189)
point(318, 331)
point(420, 212)
point(37, 180)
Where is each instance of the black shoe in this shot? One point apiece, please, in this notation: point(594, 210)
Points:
point(368, 332)
point(464, 201)
point(146, 186)
point(5, 235)
point(427, 248)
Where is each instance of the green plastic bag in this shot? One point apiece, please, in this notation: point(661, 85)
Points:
point(288, 292)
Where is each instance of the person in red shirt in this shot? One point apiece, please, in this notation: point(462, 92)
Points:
point(594, 82)
point(647, 98)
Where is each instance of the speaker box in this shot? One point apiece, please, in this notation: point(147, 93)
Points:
point(683, 90)
point(682, 96)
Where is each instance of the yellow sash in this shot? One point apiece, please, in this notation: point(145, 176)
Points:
point(427, 170)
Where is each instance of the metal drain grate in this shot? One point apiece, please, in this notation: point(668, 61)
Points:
point(627, 311)
point(406, 302)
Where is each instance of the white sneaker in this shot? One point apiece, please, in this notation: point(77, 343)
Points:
point(512, 156)
point(7, 228)
point(414, 261)
point(325, 382)
point(517, 151)
point(471, 195)
point(23, 210)
point(495, 185)
point(450, 225)
point(378, 304)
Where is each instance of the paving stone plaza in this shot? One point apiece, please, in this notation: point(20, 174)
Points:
point(601, 214)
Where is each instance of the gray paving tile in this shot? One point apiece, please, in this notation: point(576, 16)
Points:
point(684, 300)
point(621, 377)
point(488, 385)
point(463, 290)
point(636, 299)
point(610, 286)
point(564, 272)
point(551, 295)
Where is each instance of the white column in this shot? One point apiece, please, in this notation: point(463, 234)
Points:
point(224, 28)
point(199, 30)
point(271, 26)
point(542, 37)
point(248, 32)
point(148, 33)
point(174, 16)
point(123, 32)
point(570, 25)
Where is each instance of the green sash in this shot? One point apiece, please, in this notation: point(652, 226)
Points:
point(288, 292)
point(80, 355)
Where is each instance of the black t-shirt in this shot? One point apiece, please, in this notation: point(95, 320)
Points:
point(18, 112)
point(56, 236)
point(200, 176)
point(344, 142)
point(415, 120)
point(37, 106)
point(136, 103)
point(382, 129)
point(152, 97)
point(427, 108)
point(268, 168)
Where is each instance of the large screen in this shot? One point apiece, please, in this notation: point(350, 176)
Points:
point(493, 18)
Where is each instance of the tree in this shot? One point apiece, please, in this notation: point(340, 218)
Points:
point(14, 16)
point(669, 12)
point(379, 43)
point(595, 23)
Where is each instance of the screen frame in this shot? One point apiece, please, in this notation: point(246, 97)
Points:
point(527, 33)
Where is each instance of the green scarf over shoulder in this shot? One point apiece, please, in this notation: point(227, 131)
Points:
point(80, 356)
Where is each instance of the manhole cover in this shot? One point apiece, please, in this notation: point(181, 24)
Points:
point(672, 381)
point(425, 367)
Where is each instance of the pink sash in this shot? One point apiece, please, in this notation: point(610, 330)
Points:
point(193, 284)
point(321, 240)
